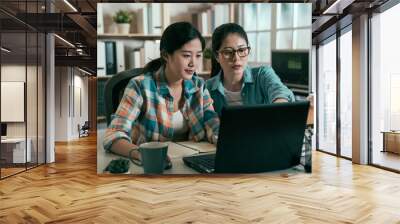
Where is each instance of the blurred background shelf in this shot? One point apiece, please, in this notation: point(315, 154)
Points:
point(136, 36)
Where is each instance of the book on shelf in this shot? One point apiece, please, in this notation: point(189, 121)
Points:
point(120, 56)
point(110, 55)
point(210, 21)
point(200, 21)
point(101, 59)
point(100, 21)
point(154, 18)
point(151, 51)
point(139, 57)
point(165, 16)
point(141, 21)
point(134, 59)
point(100, 97)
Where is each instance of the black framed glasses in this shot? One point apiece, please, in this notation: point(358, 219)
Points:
point(229, 53)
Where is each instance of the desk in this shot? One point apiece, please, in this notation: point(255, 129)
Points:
point(13, 150)
point(391, 141)
point(175, 150)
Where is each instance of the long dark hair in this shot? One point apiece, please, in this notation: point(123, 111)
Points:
point(173, 38)
point(219, 35)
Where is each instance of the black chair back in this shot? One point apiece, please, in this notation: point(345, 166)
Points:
point(114, 90)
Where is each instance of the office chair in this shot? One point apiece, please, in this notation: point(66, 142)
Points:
point(114, 90)
point(83, 131)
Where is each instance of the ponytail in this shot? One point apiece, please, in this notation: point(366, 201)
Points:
point(153, 65)
point(215, 66)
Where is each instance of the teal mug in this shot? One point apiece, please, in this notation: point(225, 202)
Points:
point(154, 157)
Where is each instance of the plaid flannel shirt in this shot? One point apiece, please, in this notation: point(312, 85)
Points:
point(145, 111)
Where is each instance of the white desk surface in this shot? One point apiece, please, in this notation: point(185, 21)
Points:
point(175, 150)
point(13, 140)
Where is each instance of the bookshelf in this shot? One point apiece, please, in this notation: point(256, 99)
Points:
point(136, 36)
point(141, 44)
point(117, 52)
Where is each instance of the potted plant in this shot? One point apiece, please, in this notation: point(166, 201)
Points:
point(123, 19)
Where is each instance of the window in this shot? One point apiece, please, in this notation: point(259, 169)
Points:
point(258, 30)
point(293, 26)
point(385, 86)
point(291, 30)
point(346, 94)
point(327, 97)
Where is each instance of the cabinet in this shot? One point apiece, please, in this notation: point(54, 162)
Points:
point(13, 150)
point(391, 141)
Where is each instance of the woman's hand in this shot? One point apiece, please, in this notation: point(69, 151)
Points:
point(168, 163)
point(280, 100)
point(135, 154)
point(214, 139)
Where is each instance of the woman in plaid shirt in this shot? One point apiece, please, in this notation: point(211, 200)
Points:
point(168, 102)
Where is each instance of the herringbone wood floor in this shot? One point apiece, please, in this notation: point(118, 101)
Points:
point(70, 191)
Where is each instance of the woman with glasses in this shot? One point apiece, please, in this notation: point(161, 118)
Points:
point(233, 82)
point(168, 102)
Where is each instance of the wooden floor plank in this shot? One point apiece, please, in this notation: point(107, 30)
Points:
point(70, 191)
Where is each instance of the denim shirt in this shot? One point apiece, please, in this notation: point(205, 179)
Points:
point(260, 85)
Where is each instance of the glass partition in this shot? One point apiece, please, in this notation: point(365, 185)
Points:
point(346, 94)
point(327, 97)
point(14, 68)
point(385, 89)
point(22, 89)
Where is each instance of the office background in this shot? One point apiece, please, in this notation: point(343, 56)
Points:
point(279, 35)
point(358, 85)
point(22, 78)
point(340, 189)
point(283, 30)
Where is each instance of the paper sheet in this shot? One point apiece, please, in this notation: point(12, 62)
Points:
point(200, 147)
point(178, 151)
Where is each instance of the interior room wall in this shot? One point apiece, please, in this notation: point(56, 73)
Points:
point(79, 117)
point(16, 72)
point(33, 126)
point(70, 83)
point(61, 103)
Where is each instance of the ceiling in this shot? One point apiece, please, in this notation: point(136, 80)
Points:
point(76, 23)
point(77, 26)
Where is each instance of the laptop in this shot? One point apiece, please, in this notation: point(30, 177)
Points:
point(256, 138)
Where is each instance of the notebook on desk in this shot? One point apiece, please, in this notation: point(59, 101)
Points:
point(257, 138)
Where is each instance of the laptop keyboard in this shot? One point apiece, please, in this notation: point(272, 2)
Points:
point(206, 160)
point(202, 163)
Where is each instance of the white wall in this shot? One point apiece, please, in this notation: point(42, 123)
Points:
point(70, 83)
point(61, 103)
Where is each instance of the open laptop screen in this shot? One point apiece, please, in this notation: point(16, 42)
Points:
point(261, 138)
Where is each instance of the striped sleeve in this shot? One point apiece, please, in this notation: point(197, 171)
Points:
point(126, 115)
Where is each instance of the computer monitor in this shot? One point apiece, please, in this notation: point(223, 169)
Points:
point(3, 129)
point(292, 67)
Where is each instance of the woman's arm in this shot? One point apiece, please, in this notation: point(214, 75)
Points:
point(273, 87)
point(211, 120)
point(118, 135)
point(280, 100)
point(123, 147)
